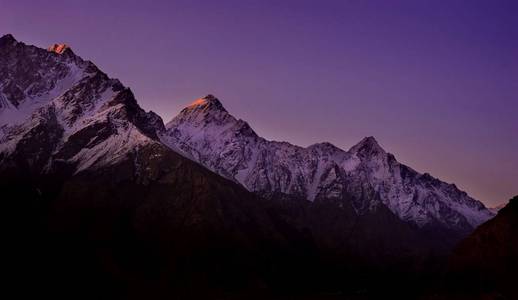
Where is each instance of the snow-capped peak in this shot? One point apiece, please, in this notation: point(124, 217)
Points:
point(204, 111)
point(207, 101)
point(367, 147)
point(208, 105)
point(59, 48)
point(65, 109)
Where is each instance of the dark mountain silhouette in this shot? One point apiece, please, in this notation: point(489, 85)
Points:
point(487, 260)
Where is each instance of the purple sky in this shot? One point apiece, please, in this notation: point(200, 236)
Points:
point(436, 82)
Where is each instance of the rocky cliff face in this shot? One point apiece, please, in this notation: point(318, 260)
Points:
point(366, 174)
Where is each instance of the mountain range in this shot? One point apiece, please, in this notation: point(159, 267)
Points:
point(205, 132)
point(117, 196)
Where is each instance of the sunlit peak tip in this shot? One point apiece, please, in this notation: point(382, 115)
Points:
point(198, 102)
point(205, 100)
point(58, 48)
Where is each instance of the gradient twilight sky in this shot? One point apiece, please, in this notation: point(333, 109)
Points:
point(436, 82)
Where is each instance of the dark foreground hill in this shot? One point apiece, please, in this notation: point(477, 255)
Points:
point(486, 262)
point(171, 228)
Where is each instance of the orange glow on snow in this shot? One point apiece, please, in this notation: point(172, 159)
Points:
point(198, 102)
point(58, 48)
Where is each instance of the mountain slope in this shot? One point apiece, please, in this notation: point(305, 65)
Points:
point(161, 226)
point(207, 133)
point(488, 258)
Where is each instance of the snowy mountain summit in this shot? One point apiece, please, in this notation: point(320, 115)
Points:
point(366, 175)
point(57, 108)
